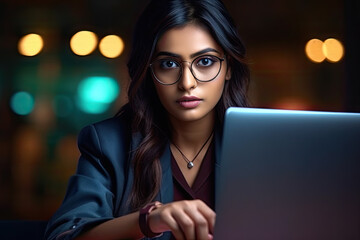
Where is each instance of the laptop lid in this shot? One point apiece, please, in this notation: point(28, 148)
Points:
point(289, 175)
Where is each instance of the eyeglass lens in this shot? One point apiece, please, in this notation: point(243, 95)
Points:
point(169, 70)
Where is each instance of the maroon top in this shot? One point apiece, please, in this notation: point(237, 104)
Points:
point(203, 187)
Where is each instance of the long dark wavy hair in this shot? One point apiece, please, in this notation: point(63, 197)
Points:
point(147, 114)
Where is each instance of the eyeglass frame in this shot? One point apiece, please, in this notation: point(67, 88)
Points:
point(190, 67)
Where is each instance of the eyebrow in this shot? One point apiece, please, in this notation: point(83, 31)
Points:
point(206, 50)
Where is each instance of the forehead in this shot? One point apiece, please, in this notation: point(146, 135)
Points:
point(186, 40)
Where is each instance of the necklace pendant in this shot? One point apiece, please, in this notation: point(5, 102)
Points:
point(190, 165)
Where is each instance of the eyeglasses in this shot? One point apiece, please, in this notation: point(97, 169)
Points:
point(168, 71)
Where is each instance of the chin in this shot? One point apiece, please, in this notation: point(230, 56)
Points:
point(194, 116)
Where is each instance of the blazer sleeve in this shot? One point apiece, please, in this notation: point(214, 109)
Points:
point(89, 199)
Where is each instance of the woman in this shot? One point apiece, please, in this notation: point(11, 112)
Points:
point(151, 169)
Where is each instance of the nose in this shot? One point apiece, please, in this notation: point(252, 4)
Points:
point(187, 80)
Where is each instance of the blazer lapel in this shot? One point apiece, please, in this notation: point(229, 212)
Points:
point(166, 189)
point(166, 194)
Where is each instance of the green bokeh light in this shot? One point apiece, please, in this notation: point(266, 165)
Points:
point(95, 94)
point(22, 103)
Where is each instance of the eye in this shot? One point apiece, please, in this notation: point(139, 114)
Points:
point(168, 63)
point(205, 61)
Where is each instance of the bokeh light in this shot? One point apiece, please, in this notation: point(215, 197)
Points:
point(111, 46)
point(83, 43)
point(30, 45)
point(314, 50)
point(22, 103)
point(333, 50)
point(95, 94)
point(291, 103)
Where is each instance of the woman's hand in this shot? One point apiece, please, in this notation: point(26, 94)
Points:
point(185, 219)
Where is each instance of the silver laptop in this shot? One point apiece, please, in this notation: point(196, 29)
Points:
point(289, 175)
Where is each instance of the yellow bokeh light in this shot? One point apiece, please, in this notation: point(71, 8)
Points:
point(314, 50)
point(333, 50)
point(30, 45)
point(83, 43)
point(111, 46)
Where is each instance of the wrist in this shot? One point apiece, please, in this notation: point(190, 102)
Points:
point(143, 219)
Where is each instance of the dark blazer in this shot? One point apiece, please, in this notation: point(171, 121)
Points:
point(100, 188)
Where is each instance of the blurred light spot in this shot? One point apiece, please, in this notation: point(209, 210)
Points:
point(30, 45)
point(314, 50)
point(62, 106)
point(111, 46)
point(43, 114)
point(333, 50)
point(22, 103)
point(83, 43)
point(291, 104)
point(96, 93)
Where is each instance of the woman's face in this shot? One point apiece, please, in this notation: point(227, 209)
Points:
point(188, 99)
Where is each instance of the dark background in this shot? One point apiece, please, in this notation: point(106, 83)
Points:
point(38, 151)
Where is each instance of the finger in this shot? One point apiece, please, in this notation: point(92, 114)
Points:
point(174, 226)
point(208, 214)
point(161, 221)
point(186, 224)
point(200, 223)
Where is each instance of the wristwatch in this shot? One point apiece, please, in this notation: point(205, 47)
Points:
point(143, 219)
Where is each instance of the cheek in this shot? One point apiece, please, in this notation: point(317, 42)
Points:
point(217, 88)
point(220, 89)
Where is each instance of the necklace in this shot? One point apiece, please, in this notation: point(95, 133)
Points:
point(190, 164)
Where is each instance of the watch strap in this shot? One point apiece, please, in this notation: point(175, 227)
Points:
point(143, 220)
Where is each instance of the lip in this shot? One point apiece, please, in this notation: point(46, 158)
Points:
point(189, 101)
